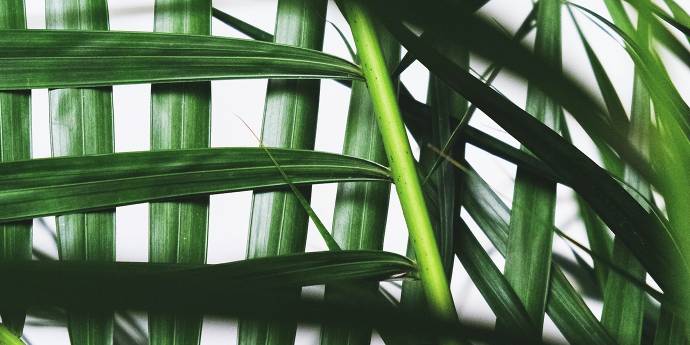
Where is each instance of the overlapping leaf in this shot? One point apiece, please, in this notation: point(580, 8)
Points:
point(55, 59)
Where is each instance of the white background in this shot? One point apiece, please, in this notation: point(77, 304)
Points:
point(229, 213)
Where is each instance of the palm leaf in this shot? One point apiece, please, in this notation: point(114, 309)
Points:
point(565, 306)
point(180, 119)
point(51, 186)
point(278, 221)
point(15, 144)
point(623, 308)
point(534, 200)
point(153, 286)
point(493, 286)
point(45, 58)
point(81, 123)
point(616, 207)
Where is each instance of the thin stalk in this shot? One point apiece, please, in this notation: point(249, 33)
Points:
point(81, 123)
point(445, 107)
point(528, 259)
point(403, 167)
point(361, 208)
point(279, 222)
point(15, 144)
point(180, 119)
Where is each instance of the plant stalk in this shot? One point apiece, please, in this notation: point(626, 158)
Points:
point(402, 164)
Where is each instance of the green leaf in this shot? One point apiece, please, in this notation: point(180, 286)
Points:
point(7, 337)
point(565, 306)
point(516, 58)
point(279, 222)
point(50, 186)
point(493, 286)
point(180, 119)
point(81, 123)
point(45, 58)
point(530, 240)
point(670, 329)
point(154, 286)
point(641, 230)
point(241, 26)
point(361, 208)
point(623, 308)
point(15, 144)
point(679, 14)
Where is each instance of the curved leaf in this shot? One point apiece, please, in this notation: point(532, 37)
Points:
point(146, 285)
point(55, 59)
point(51, 186)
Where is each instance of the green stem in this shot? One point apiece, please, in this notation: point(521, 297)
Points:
point(402, 163)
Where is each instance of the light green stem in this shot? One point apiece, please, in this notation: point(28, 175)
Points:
point(401, 160)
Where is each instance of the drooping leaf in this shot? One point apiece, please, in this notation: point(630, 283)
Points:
point(15, 144)
point(40, 187)
point(279, 222)
point(493, 286)
point(146, 285)
point(46, 58)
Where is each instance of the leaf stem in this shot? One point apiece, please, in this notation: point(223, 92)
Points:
point(400, 157)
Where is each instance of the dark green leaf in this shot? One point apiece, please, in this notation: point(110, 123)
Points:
point(530, 240)
point(641, 230)
point(279, 222)
point(565, 306)
point(493, 286)
point(146, 285)
point(180, 119)
point(81, 123)
point(51, 186)
point(241, 26)
point(15, 144)
point(45, 58)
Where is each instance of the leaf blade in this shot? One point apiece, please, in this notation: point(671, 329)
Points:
point(15, 144)
point(72, 184)
point(52, 59)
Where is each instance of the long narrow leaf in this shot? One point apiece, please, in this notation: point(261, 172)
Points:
point(623, 308)
point(45, 58)
point(40, 187)
point(81, 123)
point(530, 240)
point(641, 230)
point(565, 306)
point(278, 222)
point(153, 285)
point(15, 144)
point(180, 119)
point(493, 286)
